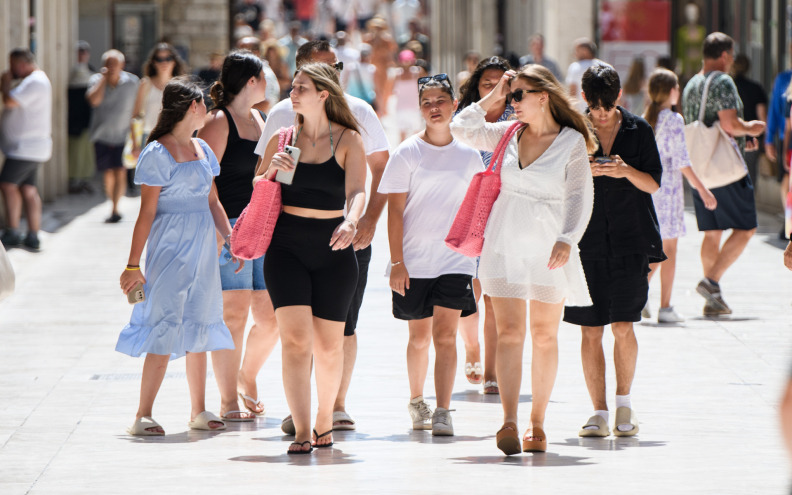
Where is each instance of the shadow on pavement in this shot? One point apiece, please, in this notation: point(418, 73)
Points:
point(725, 318)
point(319, 457)
point(617, 443)
point(478, 396)
point(426, 437)
point(534, 460)
point(189, 436)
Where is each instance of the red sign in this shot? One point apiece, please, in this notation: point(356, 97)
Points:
point(639, 20)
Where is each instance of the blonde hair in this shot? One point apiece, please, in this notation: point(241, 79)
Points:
point(325, 78)
point(558, 102)
point(661, 83)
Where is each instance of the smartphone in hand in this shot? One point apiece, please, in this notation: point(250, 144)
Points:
point(136, 295)
point(603, 159)
point(288, 177)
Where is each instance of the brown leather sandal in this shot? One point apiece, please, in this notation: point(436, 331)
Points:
point(507, 439)
point(534, 440)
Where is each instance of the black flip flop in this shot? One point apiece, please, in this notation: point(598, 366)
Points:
point(296, 452)
point(318, 436)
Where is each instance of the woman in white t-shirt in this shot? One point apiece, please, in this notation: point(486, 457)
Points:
point(426, 179)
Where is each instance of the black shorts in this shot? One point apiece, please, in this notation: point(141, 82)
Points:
point(618, 287)
point(19, 172)
point(108, 156)
point(363, 259)
point(736, 207)
point(300, 269)
point(447, 291)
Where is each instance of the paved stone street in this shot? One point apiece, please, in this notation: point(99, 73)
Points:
point(706, 394)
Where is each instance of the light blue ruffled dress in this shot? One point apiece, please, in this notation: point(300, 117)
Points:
point(183, 310)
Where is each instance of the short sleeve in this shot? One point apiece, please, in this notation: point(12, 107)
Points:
point(725, 93)
point(677, 129)
point(29, 90)
point(374, 138)
point(396, 178)
point(214, 166)
point(154, 166)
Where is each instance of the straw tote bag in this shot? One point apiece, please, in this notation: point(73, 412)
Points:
point(7, 277)
point(253, 230)
point(467, 232)
point(713, 155)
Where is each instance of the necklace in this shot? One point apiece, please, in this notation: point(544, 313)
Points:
point(612, 136)
point(313, 143)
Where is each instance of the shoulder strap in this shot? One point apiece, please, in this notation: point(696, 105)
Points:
point(263, 115)
point(706, 93)
point(339, 139)
point(233, 134)
point(500, 150)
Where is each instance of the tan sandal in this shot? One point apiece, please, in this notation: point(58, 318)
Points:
point(534, 440)
point(625, 416)
point(600, 431)
point(507, 439)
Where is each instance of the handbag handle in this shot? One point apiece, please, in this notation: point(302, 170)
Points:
point(500, 150)
point(706, 93)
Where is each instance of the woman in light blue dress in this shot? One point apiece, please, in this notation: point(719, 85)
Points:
point(182, 313)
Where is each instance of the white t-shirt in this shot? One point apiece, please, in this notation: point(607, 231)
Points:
point(575, 76)
point(435, 179)
point(26, 130)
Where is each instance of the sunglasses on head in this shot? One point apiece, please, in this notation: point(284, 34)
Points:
point(441, 78)
point(339, 66)
point(495, 62)
point(517, 95)
point(169, 58)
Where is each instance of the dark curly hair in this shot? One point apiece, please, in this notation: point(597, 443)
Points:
point(601, 86)
point(469, 90)
point(150, 67)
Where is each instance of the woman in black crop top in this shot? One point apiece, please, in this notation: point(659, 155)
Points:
point(232, 131)
point(310, 267)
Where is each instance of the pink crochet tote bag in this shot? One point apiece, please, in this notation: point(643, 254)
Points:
point(467, 232)
point(252, 232)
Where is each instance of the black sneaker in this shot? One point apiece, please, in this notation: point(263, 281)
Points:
point(114, 218)
point(32, 241)
point(11, 238)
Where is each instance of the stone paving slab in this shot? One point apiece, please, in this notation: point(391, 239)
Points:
point(706, 395)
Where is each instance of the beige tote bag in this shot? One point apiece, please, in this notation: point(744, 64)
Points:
point(713, 153)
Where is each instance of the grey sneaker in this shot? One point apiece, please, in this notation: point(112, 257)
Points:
point(645, 312)
point(441, 423)
point(669, 315)
point(421, 414)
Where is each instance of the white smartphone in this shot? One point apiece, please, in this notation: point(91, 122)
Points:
point(288, 177)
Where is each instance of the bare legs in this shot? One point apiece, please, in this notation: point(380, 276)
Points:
point(261, 340)
point(625, 357)
point(14, 197)
point(115, 183)
point(304, 336)
point(468, 329)
point(667, 272)
point(350, 356)
point(154, 368)
point(441, 329)
point(716, 259)
point(510, 320)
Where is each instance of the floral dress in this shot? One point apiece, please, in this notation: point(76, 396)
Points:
point(669, 200)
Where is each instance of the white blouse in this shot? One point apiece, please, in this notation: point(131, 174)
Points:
point(548, 201)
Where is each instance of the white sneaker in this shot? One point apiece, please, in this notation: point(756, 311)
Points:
point(646, 312)
point(669, 315)
point(421, 414)
point(441, 423)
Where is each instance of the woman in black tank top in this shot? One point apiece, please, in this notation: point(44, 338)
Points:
point(310, 267)
point(232, 131)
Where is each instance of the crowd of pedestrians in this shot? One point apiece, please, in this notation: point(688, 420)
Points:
point(590, 207)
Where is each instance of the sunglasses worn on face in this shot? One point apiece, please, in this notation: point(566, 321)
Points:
point(517, 95)
point(164, 59)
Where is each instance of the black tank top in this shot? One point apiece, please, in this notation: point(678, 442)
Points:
point(319, 186)
point(237, 168)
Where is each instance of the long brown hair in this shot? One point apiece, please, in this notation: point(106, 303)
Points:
point(325, 78)
point(150, 67)
point(661, 83)
point(177, 97)
point(560, 107)
point(635, 78)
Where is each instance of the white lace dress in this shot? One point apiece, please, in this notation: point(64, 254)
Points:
point(550, 200)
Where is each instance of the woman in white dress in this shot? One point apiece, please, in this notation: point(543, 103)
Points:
point(530, 243)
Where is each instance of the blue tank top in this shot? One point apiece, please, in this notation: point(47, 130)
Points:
point(319, 186)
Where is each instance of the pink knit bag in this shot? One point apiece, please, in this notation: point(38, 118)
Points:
point(467, 232)
point(253, 230)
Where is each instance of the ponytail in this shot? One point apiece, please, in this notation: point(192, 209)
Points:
point(238, 67)
point(661, 83)
point(177, 97)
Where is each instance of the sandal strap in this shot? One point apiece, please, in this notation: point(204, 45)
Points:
point(318, 436)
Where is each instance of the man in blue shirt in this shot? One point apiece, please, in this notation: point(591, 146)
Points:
point(776, 118)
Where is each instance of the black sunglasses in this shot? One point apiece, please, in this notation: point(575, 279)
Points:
point(164, 59)
point(517, 94)
point(339, 66)
point(441, 78)
point(495, 62)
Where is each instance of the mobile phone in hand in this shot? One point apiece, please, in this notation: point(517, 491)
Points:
point(288, 177)
point(603, 159)
point(136, 295)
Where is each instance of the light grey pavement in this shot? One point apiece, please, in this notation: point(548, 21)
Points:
point(706, 395)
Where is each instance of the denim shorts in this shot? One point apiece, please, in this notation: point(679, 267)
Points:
point(250, 278)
